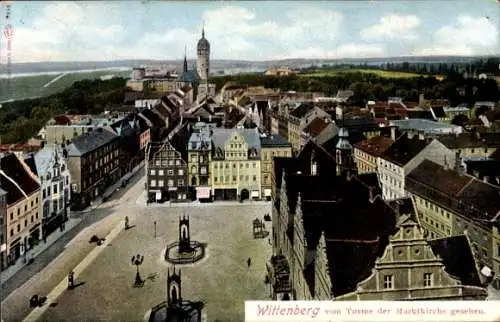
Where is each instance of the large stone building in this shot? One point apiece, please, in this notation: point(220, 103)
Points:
point(235, 167)
point(271, 146)
point(55, 181)
point(23, 220)
point(450, 202)
point(199, 158)
point(94, 164)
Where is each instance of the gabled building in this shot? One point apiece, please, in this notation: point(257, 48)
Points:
point(299, 118)
point(23, 220)
point(405, 154)
point(94, 165)
point(55, 181)
point(412, 268)
point(199, 157)
point(166, 174)
point(236, 164)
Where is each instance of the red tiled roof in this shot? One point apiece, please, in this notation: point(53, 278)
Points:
point(316, 126)
point(375, 146)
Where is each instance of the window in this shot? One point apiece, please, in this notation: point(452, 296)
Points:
point(254, 178)
point(12, 218)
point(253, 165)
point(427, 279)
point(170, 183)
point(153, 183)
point(180, 182)
point(18, 228)
point(181, 172)
point(32, 219)
point(11, 232)
point(170, 172)
point(234, 178)
point(388, 281)
point(25, 222)
point(161, 183)
point(203, 170)
point(161, 172)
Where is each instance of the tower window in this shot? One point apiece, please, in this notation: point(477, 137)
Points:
point(427, 279)
point(388, 282)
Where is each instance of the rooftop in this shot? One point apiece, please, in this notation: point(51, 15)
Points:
point(470, 140)
point(274, 140)
point(90, 141)
point(427, 126)
point(44, 158)
point(220, 136)
point(316, 126)
point(17, 181)
point(404, 149)
point(375, 146)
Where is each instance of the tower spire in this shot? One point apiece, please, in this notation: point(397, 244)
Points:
point(185, 67)
point(203, 30)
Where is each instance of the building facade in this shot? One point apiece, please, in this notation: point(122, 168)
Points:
point(199, 158)
point(23, 220)
point(3, 245)
point(448, 204)
point(406, 153)
point(94, 164)
point(367, 152)
point(55, 181)
point(166, 176)
point(272, 146)
point(236, 166)
point(410, 269)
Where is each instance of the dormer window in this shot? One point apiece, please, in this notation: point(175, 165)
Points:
point(314, 165)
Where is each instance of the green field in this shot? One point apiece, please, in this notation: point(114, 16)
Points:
point(378, 72)
point(32, 86)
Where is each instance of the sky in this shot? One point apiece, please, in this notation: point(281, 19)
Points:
point(256, 30)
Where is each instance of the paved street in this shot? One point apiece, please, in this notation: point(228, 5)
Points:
point(51, 266)
point(222, 279)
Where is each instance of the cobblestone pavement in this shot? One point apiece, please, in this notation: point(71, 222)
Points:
point(222, 279)
point(57, 263)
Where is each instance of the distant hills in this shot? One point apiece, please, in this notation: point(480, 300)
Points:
point(217, 64)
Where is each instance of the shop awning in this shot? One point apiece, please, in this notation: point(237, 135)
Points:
point(255, 194)
point(267, 192)
point(203, 192)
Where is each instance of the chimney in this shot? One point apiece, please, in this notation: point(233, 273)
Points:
point(371, 194)
point(397, 209)
point(393, 133)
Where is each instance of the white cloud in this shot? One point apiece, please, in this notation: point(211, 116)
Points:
point(393, 27)
point(68, 31)
point(467, 36)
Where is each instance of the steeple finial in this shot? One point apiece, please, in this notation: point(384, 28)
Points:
point(185, 67)
point(203, 30)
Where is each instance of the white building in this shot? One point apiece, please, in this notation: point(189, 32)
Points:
point(406, 153)
point(55, 189)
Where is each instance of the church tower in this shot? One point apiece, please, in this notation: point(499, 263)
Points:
point(203, 57)
point(344, 149)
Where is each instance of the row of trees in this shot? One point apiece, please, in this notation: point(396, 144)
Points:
point(21, 120)
point(368, 86)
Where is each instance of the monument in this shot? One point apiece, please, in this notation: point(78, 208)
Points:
point(185, 250)
point(175, 308)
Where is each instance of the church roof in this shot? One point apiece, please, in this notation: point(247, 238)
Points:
point(190, 76)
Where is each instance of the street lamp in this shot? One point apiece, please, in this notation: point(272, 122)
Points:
point(137, 260)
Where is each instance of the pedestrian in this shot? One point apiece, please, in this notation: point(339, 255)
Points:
point(249, 262)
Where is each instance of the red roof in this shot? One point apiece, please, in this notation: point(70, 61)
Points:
point(375, 146)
